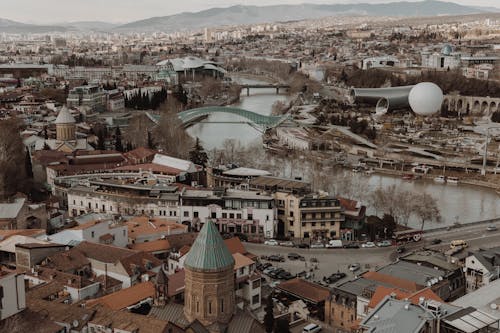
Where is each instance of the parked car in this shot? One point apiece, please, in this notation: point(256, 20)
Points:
point(384, 243)
point(334, 243)
point(268, 270)
point(317, 245)
point(274, 274)
point(302, 274)
point(368, 244)
point(354, 267)
point(334, 277)
point(287, 243)
point(314, 260)
point(435, 241)
point(293, 256)
point(271, 242)
point(458, 243)
point(301, 258)
point(492, 228)
point(303, 245)
point(265, 265)
point(351, 246)
point(242, 237)
point(285, 276)
point(275, 257)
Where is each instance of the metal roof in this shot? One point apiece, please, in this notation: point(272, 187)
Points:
point(209, 253)
point(64, 117)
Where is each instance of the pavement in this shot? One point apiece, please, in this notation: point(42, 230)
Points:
point(337, 260)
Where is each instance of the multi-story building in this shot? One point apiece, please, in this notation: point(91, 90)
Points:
point(482, 267)
point(310, 217)
point(232, 211)
point(90, 96)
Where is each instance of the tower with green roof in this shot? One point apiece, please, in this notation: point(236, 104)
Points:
point(209, 291)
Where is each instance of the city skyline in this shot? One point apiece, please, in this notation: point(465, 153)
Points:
point(53, 11)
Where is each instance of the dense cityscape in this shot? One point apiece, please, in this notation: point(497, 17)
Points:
point(284, 168)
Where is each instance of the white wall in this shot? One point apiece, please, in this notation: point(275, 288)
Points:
point(83, 293)
point(14, 296)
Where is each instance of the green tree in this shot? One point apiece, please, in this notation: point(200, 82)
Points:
point(198, 155)
point(282, 326)
point(118, 139)
point(269, 316)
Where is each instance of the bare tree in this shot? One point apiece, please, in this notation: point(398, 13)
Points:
point(137, 131)
point(426, 209)
point(170, 135)
point(12, 159)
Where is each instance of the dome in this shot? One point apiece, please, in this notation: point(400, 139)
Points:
point(209, 253)
point(446, 50)
point(65, 117)
point(425, 98)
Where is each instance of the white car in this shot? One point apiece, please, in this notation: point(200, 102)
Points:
point(317, 246)
point(271, 242)
point(354, 267)
point(368, 244)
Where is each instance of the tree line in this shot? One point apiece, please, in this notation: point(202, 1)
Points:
point(145, 100)
point(448, 81)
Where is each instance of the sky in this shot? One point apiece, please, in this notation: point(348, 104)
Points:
point(122, 11)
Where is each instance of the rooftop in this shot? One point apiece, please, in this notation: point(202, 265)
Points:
point(126, 297)
point(305, 290)
point(209, 252)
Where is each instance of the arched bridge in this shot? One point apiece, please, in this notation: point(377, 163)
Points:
point(190, 117)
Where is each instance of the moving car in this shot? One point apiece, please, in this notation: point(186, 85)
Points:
point(287, 243)
point(334, 243)
point(311, 328)
point(368, 244)
point(351, 246)
point(271, 242)
point(492, 228)
point(334, 277)
point(384, 243)
point(457, 243)
point(293, 256)
point(400, 249)
point(435, 241)
point(276, 258)
point(354, 267)
point(317, 245)
point(303, 246)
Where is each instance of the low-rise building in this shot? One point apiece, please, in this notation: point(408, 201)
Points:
point(482, 267)
point(12, 294)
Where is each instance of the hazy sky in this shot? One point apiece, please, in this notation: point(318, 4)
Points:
point(50, 11)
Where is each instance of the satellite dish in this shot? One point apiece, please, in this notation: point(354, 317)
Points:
point(75, 323)
point(425, 98)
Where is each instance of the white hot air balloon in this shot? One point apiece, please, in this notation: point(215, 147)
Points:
point(425, 98)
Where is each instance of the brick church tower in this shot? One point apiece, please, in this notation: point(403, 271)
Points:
point(209, 292)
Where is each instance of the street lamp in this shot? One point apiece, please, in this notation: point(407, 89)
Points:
point(485, 154)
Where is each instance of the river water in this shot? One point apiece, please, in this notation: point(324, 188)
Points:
point(458, 203)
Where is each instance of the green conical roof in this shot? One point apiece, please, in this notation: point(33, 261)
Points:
point(209, 253)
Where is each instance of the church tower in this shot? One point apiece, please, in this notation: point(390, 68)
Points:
point(161, 288)
point(65, 126)
point(209, 292)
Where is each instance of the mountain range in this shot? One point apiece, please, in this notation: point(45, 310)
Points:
point(240, 14)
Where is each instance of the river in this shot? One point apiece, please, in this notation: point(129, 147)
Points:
point(458, 203)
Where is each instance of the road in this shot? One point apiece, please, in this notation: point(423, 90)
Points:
point(333, 260)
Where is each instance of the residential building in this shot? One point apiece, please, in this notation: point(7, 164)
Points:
point(19, 213)
point(89, 96)
point(482, 267)
point(12, 294)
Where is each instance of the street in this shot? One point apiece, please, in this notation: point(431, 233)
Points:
point(334, 260)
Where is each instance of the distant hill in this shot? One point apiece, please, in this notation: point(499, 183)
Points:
point(259, 14)
point(14, 27)
point(240, 14)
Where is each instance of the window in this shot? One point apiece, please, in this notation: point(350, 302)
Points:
point(74, 202)
point(96, 205)
point(197, 306)
point(81, 203)
point(313, 224)
point(256, 299)
point(231, 215)
point(213, 215)
point(238, 216)
point(209, 307)
point(124, 231)
point(250, 217)
point(92, 234)
point(255, 284)
point(306, 235)
point(186, 214)
point(224, 215)
point(222, 305)
point(103, 208)
point(90, 205)
point(195, 214)
point(291, 223)
point(303, 224)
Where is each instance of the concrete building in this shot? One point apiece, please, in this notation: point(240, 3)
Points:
point(12, 294)
point(89, 96)
point(482, 267)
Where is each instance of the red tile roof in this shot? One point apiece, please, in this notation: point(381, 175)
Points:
point(305, 290)
point(393, 281)
point(381, 292)
point(126, 297)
